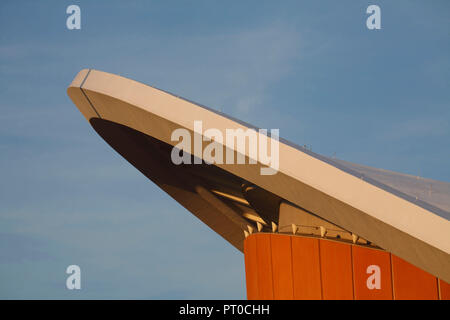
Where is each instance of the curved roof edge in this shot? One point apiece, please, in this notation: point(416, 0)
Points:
point(349, 195)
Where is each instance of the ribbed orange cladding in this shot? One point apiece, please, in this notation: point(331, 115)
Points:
point(412, 283)
point(251, 264)
point(281, 266)
point(306, 268)
point(336, 270)
point(371, 274)
point(445, 290)
point(264, 269)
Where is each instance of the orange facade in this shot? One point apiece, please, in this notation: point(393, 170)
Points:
point(367, 263)
point(336, 270)
point(412, 283)
point(306, 276)
point(280, 266)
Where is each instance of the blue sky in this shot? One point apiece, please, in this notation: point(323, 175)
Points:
point(311, 68)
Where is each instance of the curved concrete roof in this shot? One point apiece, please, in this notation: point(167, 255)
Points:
point(399, 213)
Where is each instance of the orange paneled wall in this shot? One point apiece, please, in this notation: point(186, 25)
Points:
point(336, 270)
point(444, 289)
point(264, 266)
point(372, 278)
point(251, 276)
point(283, 284)
point(280, 266)
point(306, 276)
point(412, 283)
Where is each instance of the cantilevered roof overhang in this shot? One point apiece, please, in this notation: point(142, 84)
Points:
point(405, 215)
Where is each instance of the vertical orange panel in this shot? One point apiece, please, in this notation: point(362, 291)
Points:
point(282, 267)
point(371, 274)
point(306, 268)
point(411, 283)
point(336, 270)
point(251, 268)
point(445, 290)
point(264, 259)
